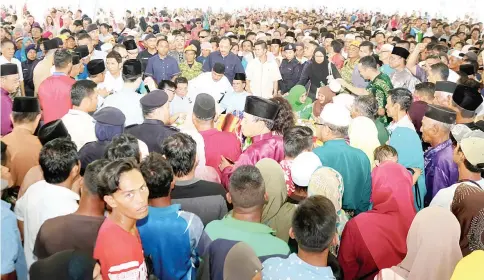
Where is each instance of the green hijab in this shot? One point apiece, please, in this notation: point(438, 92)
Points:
point(277, 213)
point(303, 110)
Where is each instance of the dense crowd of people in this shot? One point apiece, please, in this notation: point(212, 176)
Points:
point(264, 144)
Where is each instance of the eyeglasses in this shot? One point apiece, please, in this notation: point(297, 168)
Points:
point(203, 37)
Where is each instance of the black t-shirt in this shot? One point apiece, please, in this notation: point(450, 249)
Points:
point(143, 58)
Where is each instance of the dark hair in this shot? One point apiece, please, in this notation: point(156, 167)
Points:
point(158, 175)
point(181, 80)
point(367, 44)
point(105, 25)
point(296, 140)
point(314, 223)
point(261, 43)
point(80, 90)
point(337, 46)
point(441, 48)
point(115, 55)
point(24, 117)
point(166, 84)
point(181, 151)
point(402, 97)
point(57, 158)
point(441, 69)
point(88, 19)
point(109, 177)
point(7, 41)
point(369, 62)
point(426, 88)
point(91, 180)
point(384, 151)
point(123, 146)
point(285, 117)
point(65, 31)
point(62, 58)
point(247, 187)
point(77, 22)
point(83, 36)
point(4, 153)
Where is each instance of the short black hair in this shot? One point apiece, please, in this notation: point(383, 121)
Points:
point(369, 62)
point(402, 97)
point(110, 175)
point(77, 22)
point(296, 140)
point(337, 46)
point(65, 31)
point(314, 223)
point(426, 88)
point(158, 175)
point(123, 146)
point(441, 48)
point(441, 69)
point(181, 152)
point(62, 58)
point(181, 80)
point(81, 89)
point(91, 180)
point(166, 84)
point(57, 158)
point(261, 43)
point(88, 19)
point(4, 153)
point(24, 117)
point(367, 44)
point(82, 36)
point(247, 187)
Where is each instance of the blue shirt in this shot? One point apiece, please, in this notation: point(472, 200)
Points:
point(84, 75)
point(13, 257)
point(162, 68)
point(294, 268)
point(231, 61)
point(174, 239)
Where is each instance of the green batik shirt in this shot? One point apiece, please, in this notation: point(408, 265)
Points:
point(347, 70)
point(190, 72)
point(379, 87)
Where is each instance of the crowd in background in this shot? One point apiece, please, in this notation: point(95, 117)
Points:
point(265, 144)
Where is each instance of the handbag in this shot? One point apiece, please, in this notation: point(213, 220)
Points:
point(333, 84)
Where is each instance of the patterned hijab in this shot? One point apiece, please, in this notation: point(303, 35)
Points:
point(328, 182)
point(468, 207)
point(432, 246)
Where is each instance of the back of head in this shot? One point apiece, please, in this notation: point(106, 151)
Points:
point(52, 130)
point(402, 97)
point(91, 180)
point(247, 188)
point(181, 152)
point(123, 146)
point(366, 106)
point(426, 89)
point(297, 139)
point(57, 159)
point(314, 224)
point(80, 90)
point(384, 152)
point(441, 70)
point(166, 84)
point(62, 59)
point(158, 175)
point(369, 62)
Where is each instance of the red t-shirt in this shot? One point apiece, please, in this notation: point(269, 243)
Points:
point(119, 253)
point(55, 97)
point(218, 143)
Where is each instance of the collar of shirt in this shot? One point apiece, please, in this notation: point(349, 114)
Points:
point(335, 142)
point(403, 122)
point(58, 74)
point(261, 137)
point(209, 132)
point(168, 209)
point(326, 270)
point(432, 151)
point(152, 121)
point(246, 226)
point(80, 113)
point(187, 182)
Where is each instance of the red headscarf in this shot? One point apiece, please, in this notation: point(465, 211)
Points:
point(384, 228)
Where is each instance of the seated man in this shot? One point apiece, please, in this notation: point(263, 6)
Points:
point(314, 228)
point(247, 192)
point(203, 198)
point(176, 254)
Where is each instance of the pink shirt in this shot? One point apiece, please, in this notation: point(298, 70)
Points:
point(6, 108)
point(220, 143)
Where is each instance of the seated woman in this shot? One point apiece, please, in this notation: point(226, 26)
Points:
point(375, 239)
point(300, 102)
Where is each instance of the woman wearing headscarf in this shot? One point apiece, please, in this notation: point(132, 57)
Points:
point(410, 154)
point(21, 53)
point(28, 69)
point(375, 239)
point(329, 183)
point(432, 248)
point(277, 213)
point(227, 259)
point(470, 267)
point(468, 207)
point(300, 102)
point(364, 136)
point(109, 123)
point(324, 96)
point(66, 265)
point(316, 72)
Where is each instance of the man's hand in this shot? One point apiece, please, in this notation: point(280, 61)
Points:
point(420, 47)
point(224, 163)
point(102, 92)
